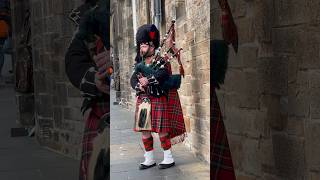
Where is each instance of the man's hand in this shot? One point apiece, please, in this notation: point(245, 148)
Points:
point(141, 88)
point(100, 81)
point(103, 62)
point(143, 81)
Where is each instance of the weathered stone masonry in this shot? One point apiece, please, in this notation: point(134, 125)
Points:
point(271, 97)
point(59, 123)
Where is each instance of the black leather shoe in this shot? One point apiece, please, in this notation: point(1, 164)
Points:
point(165, 166)
point(142, 166)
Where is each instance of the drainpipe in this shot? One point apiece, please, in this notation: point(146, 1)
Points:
point(157, 13)
point(134, 17)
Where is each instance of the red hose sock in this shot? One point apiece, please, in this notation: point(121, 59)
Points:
point(165, 142)
point(148, 143)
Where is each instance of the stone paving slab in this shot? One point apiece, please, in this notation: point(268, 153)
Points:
point(22, 157)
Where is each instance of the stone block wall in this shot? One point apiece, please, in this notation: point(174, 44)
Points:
point(24, 101)
point(58, 118)
point(270, 98)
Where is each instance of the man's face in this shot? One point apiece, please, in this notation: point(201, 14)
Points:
point(146, 49)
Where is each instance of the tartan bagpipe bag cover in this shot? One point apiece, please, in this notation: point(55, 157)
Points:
point(143, 116)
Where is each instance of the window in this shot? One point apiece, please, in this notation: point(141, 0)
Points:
point(180, 9)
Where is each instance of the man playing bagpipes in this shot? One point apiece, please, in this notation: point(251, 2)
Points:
point(158, 107)
point(221, 165)
point(87, 60)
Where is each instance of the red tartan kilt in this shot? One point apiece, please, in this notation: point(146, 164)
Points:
point(160, 120)
point(175, 113)
point(90, 133)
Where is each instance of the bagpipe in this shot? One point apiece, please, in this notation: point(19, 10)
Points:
point(160, 62)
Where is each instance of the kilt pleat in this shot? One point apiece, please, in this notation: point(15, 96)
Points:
point(178, 133)
point(91, 131)
point(220, 155)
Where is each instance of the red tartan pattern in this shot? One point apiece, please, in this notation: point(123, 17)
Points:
point(178, 133)
point(167, 116)
point(90, 132)
point(160, 121)
point(165, 142)
point(148, 143)
point(221, 165)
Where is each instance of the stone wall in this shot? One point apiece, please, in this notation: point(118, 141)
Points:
point(123, 47)
point(192, 34)
point(271, 96)
point(25, 101)
point(57, 103)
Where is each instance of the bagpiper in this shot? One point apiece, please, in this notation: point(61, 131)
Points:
point(158, 107)
point(87, 60)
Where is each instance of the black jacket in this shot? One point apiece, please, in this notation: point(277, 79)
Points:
point(156, 80)
point(81, 70)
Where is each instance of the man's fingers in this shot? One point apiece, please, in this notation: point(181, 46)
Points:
point(102, 76)
point(144, 80)
point(143, 83)
point(141, 88)
point(103, 54)
point(102, 61)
